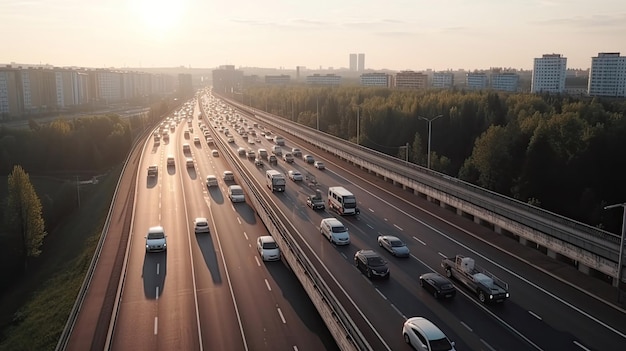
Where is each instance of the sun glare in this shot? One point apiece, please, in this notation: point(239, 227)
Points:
point(159, 15)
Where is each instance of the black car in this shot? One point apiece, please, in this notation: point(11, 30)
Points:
point(371, 263)
point(438, 285)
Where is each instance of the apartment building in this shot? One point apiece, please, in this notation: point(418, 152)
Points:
point(443, 79)
point(376, 79)
point(549, 74)
point(326, 79)
point(476, 81)
point(608, 75)
point(411, 80)
point(505, 81)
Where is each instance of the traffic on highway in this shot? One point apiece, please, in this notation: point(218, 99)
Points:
point(407, 272)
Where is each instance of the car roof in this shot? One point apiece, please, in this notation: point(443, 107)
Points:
point(266, 239)
point(156, 229)
point(332, 221)
point(435, 276)
point(430, 330)
point(368, 253)
point(201, 219)
point(390, 237)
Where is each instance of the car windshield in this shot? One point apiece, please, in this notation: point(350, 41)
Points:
point(153, 236)
point(396, 243)
point(375, 261)
point(339, 229)
point(270, 245)
point(202, 224)
point(440, 345)
point(237, 192)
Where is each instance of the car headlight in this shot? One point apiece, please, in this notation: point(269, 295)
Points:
point(490, 297)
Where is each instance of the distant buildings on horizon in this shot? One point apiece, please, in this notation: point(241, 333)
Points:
point(34, 90)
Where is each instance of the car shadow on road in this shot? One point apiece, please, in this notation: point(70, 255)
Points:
point(171, 170)
point(293, 292)
point(153, 274)
point(246, 212)
point(216, 194)
point(209, 253)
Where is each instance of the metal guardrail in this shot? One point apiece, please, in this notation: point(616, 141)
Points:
point(586, 237)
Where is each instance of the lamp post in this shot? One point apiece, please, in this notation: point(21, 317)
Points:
point(317, 113)
point(358, 128)
point(621, 242)
point(430, 121)
point(406, 155)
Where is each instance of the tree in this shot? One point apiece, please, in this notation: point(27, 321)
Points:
point(23, 213)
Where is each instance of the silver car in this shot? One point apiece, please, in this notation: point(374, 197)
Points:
point(201, 225)
point(394, 245)
point(423, 335)
point(156, 240)
point(268, 249)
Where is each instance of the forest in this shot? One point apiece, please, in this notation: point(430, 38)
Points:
point(561, 153)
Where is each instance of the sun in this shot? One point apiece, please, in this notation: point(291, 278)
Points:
point(159, 15)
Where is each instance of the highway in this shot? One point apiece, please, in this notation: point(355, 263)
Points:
point(206, 291)
point(211, 291)
point(542, 314)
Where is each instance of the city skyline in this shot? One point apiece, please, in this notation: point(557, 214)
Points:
point(397, 35)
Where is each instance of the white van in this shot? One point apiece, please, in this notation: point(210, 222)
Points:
point(277, 150)
point(334, 231)
point(235, 193)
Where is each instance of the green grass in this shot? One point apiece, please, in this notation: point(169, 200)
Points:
point(39, 304)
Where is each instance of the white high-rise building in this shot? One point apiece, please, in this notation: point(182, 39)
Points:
point(476, 80)
point(549, 74)
point(608, 75)
point(353, 66)
point(361, 66)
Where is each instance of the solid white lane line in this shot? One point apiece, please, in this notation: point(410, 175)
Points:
point(535, 315)
point(281, 315)
point(268, 285)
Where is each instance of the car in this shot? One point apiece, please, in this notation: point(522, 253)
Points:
point(196, 140)
point(210, 141)
point(231, 140)
point(294, 175)
point(156, 240)
point(241, 151)
point(258, 162)
point(334, 231)
point(394, 245)
point(189, 162)
point(153, 170)
point(315, 201)
point(296, 152)
point(438, 285)
point(308, 159)
point(250, 141)
point(251, 153)
point(215, 153)
point(170, 160)
point(288, 157)
point(268, 249)
point(228, 176)
point(371, 264)
point(424, 335)
point(201, 225)
point(186, 148)
point(319, 165)
point(211, 180)
point(235, 193)
point(272, 159)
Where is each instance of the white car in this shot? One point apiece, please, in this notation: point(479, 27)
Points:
point(156, 240)
point(268, 249)
point(170, 160)
point(417, 330)
point(235, 194)
point(228, 176)
point(394, 245)
point(211, 180)
point(319, 165)
point(201, 225)
point(294, 175)
point(308, 159)
point(215, 153)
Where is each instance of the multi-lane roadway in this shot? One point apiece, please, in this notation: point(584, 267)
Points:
point(211, 291)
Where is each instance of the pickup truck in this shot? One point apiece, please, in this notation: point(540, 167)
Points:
point(485, 285)
point(315, 201)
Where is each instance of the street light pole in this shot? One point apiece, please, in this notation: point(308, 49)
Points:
point(358, 128)
point(430, 121)
point(317, 111)
point(621, 242)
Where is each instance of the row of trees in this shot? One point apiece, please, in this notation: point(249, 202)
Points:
point(561, 153)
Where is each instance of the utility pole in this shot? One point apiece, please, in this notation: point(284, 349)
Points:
point(430, 121)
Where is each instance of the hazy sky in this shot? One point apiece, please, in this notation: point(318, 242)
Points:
point(393, 34)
